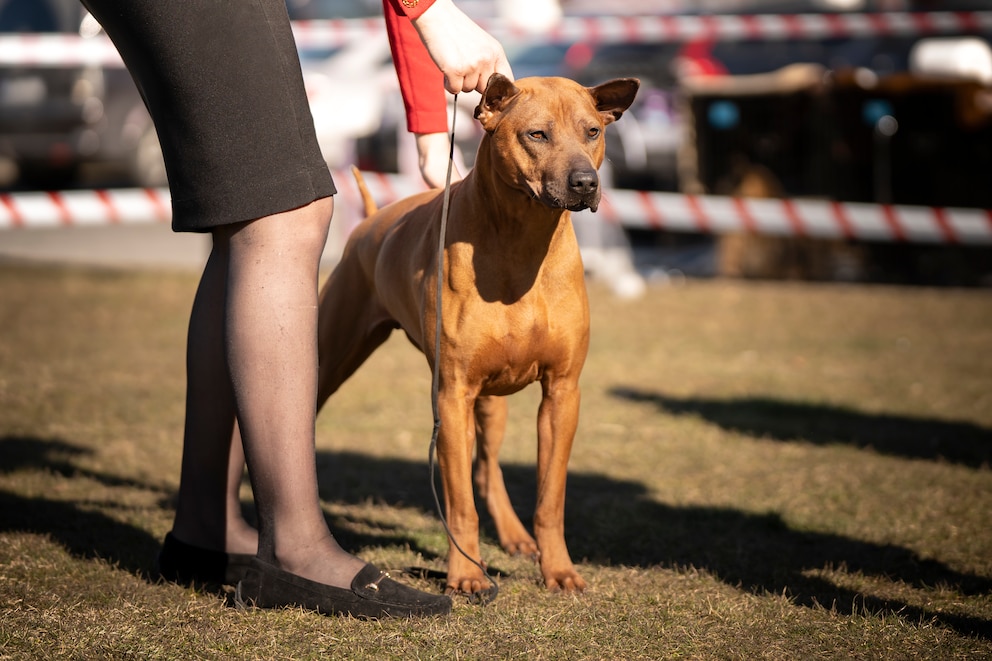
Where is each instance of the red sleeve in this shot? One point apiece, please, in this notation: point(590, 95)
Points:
point(421, 82)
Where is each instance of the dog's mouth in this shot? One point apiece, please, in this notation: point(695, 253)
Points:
point(570, 201)
point(582, 206)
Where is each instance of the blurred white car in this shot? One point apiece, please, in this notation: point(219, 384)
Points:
point(348, 90)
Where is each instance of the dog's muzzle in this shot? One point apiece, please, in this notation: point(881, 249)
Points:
point(581, 191)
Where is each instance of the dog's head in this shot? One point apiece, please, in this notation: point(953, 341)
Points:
point(547, 135)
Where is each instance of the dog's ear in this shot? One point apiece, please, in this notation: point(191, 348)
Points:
point(615, 96)
point(500, 90)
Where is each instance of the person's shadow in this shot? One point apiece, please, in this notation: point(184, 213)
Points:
point(77, 524)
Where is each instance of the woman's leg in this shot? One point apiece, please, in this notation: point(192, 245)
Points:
point(208, 510)
point(271, 341)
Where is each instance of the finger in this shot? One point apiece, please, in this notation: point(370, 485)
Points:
point(475, 82)
point(453, 84)
point(503, 66)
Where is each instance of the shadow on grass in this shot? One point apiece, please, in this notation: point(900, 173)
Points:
point(56, 456)
point(78, 526)
point(914, 438)
point(614, 522)
point(609, 522)
point(756, 552)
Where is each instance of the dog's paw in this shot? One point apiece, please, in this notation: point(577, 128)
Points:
point(469, 587)
point(466, 578)
point(566, 581)
point(525, 547)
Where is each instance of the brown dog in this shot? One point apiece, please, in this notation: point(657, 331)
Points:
point(514, 306)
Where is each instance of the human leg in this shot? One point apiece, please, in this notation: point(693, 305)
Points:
point(252, 356)
point(223, 84)
point(271, 322)
point(271, 338)
point(208, 508)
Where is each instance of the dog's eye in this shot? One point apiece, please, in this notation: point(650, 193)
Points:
point(593, 133)
point(540, 136)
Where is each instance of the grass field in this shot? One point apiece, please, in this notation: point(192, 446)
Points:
point(762, 470)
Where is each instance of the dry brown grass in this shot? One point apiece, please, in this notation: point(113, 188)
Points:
point(762, 471)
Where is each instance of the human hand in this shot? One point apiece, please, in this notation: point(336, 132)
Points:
point(433, 151)
point(465, 53)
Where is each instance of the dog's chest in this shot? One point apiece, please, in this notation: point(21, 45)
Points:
point(515, 345)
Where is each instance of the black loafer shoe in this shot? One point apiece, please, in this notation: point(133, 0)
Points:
point(179, 562)
point(372, 595)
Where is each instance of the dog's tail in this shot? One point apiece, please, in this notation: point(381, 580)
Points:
point(370, 206)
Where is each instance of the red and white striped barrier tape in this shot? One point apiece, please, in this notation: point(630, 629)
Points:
point(822, 219)
point(735, 27)
point(53, 50)
point(629, 208)
point(61, 49)
point(84, 208)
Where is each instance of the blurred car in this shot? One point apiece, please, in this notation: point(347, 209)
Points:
point(354, 94)
point(815, 125)
point(348, 88)
point(355, 98)
point(56, 118)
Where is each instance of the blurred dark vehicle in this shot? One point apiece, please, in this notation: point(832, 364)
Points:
point(309, 10)
point(647, 151)
point(54, 119)
point(643, 150)
point(881, 125)
point(852, 123)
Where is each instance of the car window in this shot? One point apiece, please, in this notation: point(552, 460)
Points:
point(22, 16)
point(541, 59)
point(884, 54)
point(650, 62)
point(310, 10)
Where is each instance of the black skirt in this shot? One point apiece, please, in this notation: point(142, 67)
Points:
point(222, 82)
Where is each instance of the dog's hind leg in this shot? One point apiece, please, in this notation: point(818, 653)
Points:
point(490, 429)
point(350, 327)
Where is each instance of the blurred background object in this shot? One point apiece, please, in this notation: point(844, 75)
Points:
point(885, 102)
point(56, 118)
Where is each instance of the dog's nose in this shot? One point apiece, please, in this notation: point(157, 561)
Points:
point(584, 182)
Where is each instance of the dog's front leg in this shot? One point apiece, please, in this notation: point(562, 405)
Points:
point(557, 421)
point(456, 439)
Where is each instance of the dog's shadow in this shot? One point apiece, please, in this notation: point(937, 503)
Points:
point(616, 522)
point(609, 522)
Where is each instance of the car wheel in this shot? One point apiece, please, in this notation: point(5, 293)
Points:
point(44, 176)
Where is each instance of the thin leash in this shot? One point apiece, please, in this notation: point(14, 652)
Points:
point(489, 595)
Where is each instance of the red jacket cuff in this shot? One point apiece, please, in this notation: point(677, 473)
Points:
point(411, 8)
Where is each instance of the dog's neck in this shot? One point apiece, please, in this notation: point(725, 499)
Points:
point(503, 231)
point(511, 203)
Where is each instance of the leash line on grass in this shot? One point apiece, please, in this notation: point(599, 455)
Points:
point(489, 595)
